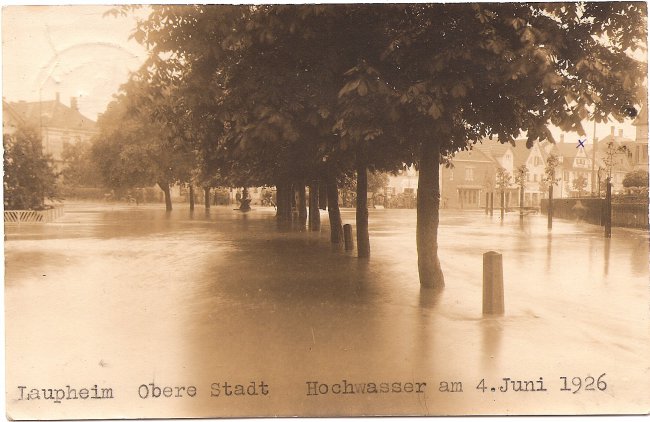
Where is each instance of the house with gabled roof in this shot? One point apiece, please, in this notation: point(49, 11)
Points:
point(624, 162)
point(575, 162)
point(58, 124)
point(534, 159)
point(467, 179)
point(639, 148)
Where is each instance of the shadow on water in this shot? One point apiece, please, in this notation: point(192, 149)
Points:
point(606, 248)
point(491, 333)
point(430, 298)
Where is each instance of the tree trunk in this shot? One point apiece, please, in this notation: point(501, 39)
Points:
point(278, 201)
point(521, 203)
point(322, 197)
point(503, 204)
point(284, 202)
point(314, 213)
point(191, 197)
point(428, 217)
point(550, 206)
point(302, 204)
point(168, 195)
point(608, 209)
point(206, 194)
point(487, 203)
point(336, 225)
point(363, 238)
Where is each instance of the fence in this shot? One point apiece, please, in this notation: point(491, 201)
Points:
point(592, 210)
point(30, 216)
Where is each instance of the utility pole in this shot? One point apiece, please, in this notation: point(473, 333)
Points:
point(608, 208)
point(594, 176)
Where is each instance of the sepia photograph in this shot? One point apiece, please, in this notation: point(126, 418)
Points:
point(325, 210)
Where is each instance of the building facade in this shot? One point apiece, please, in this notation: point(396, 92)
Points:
point(59, 125)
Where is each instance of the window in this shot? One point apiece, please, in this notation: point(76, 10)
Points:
point(537, 161)
point(528, 177)
point(409, 191)
point(469, 174)
point(534, 177)
point(451, 175)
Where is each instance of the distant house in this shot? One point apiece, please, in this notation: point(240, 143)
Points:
point(58, 124)
point(406, 181)
point(465, 182)
point(534, 159)
point(624, 162)
point(639, 149)
point(575, 162)
point(472, 173)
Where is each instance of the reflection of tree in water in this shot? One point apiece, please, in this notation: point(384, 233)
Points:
point(549, 249)
point(606, 248)
point(639, 257)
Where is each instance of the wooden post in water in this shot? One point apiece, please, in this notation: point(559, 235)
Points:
point(493, 283)
point(347, 235)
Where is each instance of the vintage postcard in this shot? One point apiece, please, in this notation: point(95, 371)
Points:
point(429, 209)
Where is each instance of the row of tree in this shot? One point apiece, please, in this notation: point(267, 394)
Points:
point(299, 96)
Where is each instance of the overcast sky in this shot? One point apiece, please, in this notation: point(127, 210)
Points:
point(72, 50)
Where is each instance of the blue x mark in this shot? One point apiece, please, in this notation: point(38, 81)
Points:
point(581, 143)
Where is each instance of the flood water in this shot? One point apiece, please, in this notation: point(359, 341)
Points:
point(123, 296)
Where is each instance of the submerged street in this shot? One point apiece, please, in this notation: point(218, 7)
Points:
point(124, 296)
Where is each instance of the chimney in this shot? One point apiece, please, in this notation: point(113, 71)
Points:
point(58, 97)
point(73, 103)
point(561, 138)
point(620, 133)
point(611, 130)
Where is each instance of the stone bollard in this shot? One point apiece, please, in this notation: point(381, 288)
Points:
point(347, 235)
point(493, 283)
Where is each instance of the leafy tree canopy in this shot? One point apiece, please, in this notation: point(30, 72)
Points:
point(309, 81)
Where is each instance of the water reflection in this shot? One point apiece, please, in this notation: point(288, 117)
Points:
point(549, 250)
point(430, 298)
point(491, 333)
point(607, 248)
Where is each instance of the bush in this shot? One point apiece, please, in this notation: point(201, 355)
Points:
point(636, 178)
point(29, 177)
